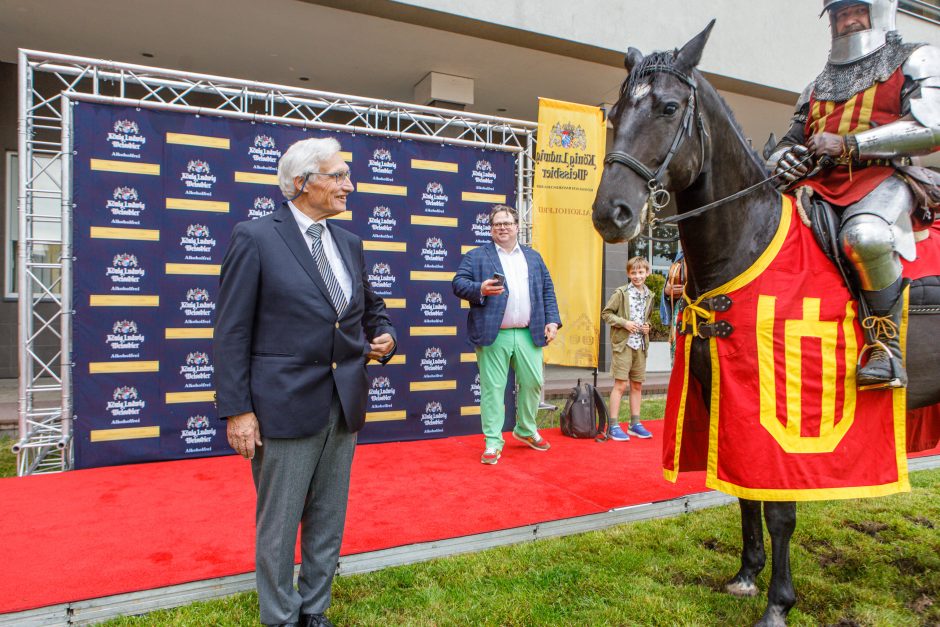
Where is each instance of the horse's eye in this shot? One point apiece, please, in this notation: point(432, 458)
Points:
point(670, 108)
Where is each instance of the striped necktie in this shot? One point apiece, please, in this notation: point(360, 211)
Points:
point(332, 285)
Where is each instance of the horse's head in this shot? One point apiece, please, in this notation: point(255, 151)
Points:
point(658, 138)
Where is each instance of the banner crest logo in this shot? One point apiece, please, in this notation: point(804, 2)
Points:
point(198, 178)
point(125, 405)
point(381, 393)
point(261, 207)
point(197, 369)
point(198, 306)
point(433, 416)
point(434, 198)
point(126, 136)
point(197, 240)
point(434, 361)
point(264, 153)
point(381, 277)
point(125, 273)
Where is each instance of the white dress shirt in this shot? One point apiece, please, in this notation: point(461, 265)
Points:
point(329, 248)
point(518, 304)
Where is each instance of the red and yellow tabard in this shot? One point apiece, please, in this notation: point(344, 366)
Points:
point(786, 421)
point(878, 105)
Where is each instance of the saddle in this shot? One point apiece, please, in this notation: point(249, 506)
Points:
point(924, 297)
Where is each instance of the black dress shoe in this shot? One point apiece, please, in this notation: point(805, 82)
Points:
point(315, 620)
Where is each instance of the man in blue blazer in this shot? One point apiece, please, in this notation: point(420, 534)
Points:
point(297, 322)
point(513, 314)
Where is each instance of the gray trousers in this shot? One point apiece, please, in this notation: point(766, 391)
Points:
point(305, 482)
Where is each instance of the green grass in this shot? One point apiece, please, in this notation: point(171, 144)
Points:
point(7, 458)
point(651, 409)
point(863, 562)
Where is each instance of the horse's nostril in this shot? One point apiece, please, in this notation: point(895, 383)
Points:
point(621, 216)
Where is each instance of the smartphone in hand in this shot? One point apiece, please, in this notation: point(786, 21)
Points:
point(499, 278)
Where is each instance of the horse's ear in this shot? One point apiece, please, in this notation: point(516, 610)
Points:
point(632, 59)
point(691, 53)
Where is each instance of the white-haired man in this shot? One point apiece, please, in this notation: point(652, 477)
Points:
point(297, 321)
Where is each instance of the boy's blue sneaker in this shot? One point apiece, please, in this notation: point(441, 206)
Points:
point(616, 433)
point(639, 431)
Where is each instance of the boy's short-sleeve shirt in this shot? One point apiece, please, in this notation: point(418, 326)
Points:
point(637, 313)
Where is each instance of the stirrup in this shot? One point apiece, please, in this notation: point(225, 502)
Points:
point(894, 382)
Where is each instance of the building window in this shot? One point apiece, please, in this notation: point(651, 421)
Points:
point(659, 254)
point(47, 229)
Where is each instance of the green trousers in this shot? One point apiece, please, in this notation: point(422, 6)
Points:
point(513, 347)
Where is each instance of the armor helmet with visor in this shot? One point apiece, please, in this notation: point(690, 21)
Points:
point(853, 46)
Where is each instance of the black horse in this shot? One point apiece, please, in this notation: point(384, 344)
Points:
point(674, 134)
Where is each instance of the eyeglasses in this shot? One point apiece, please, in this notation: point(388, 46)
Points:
point(338, 177)
point(503, 225)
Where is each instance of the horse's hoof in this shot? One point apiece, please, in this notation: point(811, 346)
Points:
point(741, 588)
point(773, 617)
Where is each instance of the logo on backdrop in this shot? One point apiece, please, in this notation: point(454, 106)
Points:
point(434, 253)
point(125, 337)
point(125, 273)
point(381, 222)
point(433, 363)
point(125, 206)
point(261, 207)
point(198, 434)
point(197, 307)
point(433, 416)
point(481, 228)
point(434, 198)
point(125, 405)
point(126, 140)
point(264, 154)
point(198, 178)
point(483, 175)
point(197, 370)
point(433, 308)
point(382, 165)
point(381, 394)
point(475, 388)
point(197, 243)
point(381, 279)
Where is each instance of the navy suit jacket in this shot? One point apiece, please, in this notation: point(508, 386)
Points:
point(280, 349)
point(486, 312)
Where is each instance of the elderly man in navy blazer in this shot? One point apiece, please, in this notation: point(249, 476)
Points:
point(297, 322)
point(513, 314)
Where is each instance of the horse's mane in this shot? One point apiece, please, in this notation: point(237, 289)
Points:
point(665, 61)
point(729, 114)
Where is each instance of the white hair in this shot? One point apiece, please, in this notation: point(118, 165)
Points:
point(302, 158)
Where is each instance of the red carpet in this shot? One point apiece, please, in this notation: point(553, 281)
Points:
point(92, 533)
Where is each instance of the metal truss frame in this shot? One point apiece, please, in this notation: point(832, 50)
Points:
point(49, 82)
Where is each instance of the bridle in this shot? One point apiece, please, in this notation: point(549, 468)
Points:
point(659, 196)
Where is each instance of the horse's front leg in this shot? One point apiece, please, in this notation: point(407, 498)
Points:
point(781, 521)
point(753, 557)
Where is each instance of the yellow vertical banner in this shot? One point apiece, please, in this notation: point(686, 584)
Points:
point(568, 166)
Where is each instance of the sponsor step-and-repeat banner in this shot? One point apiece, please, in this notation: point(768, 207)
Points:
point(156, 197)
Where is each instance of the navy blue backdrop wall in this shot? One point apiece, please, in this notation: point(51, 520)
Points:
point(156, 197)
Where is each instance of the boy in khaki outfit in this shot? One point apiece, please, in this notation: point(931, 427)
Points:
point(628, 314)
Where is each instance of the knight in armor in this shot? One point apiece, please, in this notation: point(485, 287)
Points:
point(874, 106)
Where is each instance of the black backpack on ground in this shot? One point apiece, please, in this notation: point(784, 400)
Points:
point(585, 414)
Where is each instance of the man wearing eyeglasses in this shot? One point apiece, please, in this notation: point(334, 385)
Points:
point(297, 322)
point(513, 314)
